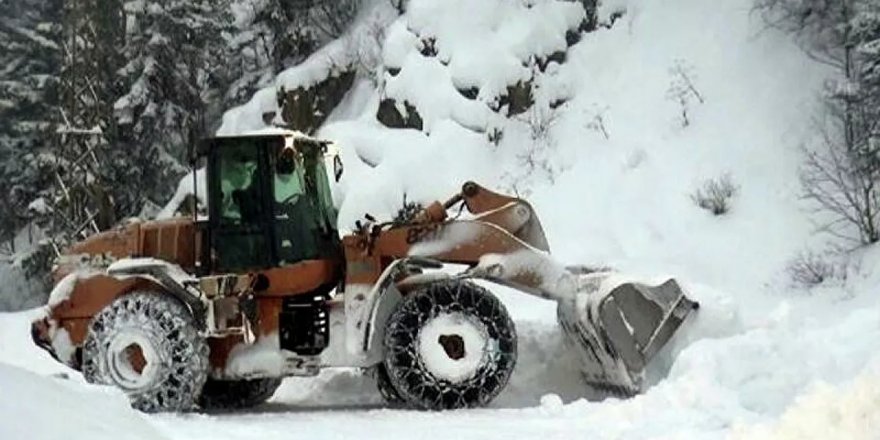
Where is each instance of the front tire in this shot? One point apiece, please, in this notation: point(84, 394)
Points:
point(237, 394)
point(449, 345)
point(386, 388)
point(146, 344)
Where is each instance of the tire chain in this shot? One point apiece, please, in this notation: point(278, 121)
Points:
point(415, 383)
point(183, 353)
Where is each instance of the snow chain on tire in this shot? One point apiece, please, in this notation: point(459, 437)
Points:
point(237, 394)
point(386, 388)
point(408, 371)
point(173, 356)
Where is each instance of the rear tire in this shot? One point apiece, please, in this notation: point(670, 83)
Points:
point(237, 394)
point(146, 344)
point(449, 345)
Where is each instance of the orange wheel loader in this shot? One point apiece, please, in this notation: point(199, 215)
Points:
point(214, 309)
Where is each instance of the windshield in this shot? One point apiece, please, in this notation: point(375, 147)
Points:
point(316, 175)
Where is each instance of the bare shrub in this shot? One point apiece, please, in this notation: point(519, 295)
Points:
point(596, 120)
point(682, 89)
point(540, 120)
point(714, 195)
point(536, 160)
point(810, 269)
point(841, 173)
point(842, 181)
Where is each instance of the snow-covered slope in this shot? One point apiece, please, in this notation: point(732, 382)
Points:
point(612, 180)
point(611, 176)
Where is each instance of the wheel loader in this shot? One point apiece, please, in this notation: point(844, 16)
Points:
point(213, 309)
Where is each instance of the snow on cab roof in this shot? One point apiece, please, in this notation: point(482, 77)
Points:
point(271, 131)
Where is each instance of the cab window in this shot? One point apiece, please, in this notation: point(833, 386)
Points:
point(239, 189)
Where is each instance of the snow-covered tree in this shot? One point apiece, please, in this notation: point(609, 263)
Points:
point(271, 35)
point(175, 76)
point(29, 66)
point(843, 174)
point(81, 160)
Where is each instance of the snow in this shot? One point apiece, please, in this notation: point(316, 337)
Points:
point(55, 408)
point(449, 238)
point(187, 187)
point(331, 60)
point(263, 356)
point(63, 289)
point(125, 266)
point(39, 206)
point(473, 336)
point(611, 183)
point(18, 291)
point(847, 411)
point(509, 34)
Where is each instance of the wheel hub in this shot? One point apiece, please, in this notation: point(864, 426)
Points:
point(453, 346)
point(132, 362)
point(136, 358)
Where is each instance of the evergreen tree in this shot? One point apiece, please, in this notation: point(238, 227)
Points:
point(29, 70)
point(78, 166)
point(176, 72)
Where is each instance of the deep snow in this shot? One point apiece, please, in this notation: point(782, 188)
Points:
point(763, 359)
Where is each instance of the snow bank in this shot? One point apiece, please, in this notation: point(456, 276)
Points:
point(850, 411)
point(50, 408)
point(18, 349)
point(510, 36)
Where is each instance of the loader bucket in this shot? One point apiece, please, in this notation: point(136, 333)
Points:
point(616, 331)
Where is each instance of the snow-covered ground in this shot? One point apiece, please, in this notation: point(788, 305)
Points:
point(612, 185)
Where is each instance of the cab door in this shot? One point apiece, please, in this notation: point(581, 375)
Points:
point(240, 215)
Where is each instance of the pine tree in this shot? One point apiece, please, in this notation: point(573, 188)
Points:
point(176, 75)
point(79, 165)
point(29, 70)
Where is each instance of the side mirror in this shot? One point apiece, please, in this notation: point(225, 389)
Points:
point(337, 168)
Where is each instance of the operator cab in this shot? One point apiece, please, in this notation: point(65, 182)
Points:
point(269, 202)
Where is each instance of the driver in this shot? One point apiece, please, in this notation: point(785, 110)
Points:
point(236, 179)
point(288, 186)
point(293, 213)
